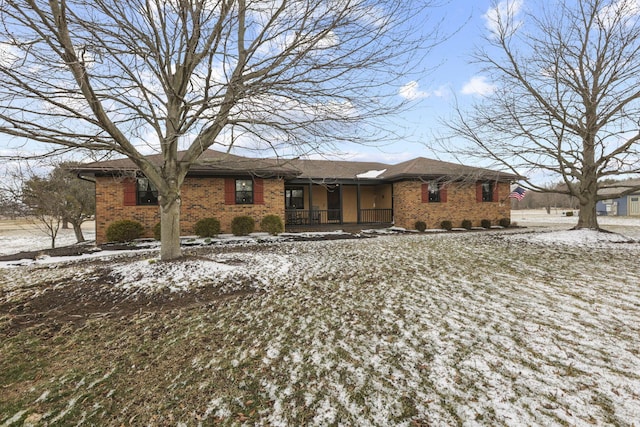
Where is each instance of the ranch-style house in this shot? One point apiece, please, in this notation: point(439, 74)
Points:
point(306, 194)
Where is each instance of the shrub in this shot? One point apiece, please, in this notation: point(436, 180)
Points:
point(466, 224)
point(446, 224)
point(242, 225)
point(207, 227)
point(504, 222)
point(485, 223)
point(124, 230)
point(421, 226)
point(156, 231)
point(272, 224)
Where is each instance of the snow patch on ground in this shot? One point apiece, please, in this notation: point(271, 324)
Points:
point(228, 273)
point(175, 276)
point(582, 237)
point(30, 239)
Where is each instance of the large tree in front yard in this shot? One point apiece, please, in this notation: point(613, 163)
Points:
point(567, 96)
point(140, 76)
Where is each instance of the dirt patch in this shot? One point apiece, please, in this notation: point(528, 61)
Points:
point(67, 251)
point(74, 305)
point(51, 306)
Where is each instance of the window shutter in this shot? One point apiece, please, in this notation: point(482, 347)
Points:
point(479, 192)
point(443, 193)
point(258, 191)
point(130, 192)
point(425, 193)
point(229, 191)
point(496, 197)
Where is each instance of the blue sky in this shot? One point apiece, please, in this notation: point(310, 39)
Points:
point(433, 93)
point(454, 79)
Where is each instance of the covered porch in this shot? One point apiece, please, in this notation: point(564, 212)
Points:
point(321, 204)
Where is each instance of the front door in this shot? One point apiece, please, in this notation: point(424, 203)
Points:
point(333, 204)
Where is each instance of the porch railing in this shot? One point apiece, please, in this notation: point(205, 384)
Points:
point(333, 216)
point(376, 216)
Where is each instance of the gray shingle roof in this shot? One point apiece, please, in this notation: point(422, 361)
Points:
point(218, 163)
point(616, 188)
point(210, 163)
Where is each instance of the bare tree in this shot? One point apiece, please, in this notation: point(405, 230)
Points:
point(47, 200)
point(79, 199)
point(46, 205)
point(136, 76)
point(567, 98)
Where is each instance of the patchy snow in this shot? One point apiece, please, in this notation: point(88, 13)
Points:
point(505, 327)
point(18, 236)
point(372, 174)
point(240, 269)
point(582, 237)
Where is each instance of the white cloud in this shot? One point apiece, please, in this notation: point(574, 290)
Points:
point(411, 91)
point(478, 85)
point(9, 55)
point(502, 16)
point(619, 12)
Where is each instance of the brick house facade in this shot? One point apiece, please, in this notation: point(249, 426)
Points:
point(201, 197)
point(306, 193)
point(461, 203)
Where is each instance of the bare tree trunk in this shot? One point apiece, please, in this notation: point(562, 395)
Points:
point(65, 224)
point(587, 217)
point(170, 231)
point(77, 229)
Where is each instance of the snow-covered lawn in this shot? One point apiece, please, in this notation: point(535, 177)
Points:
point(23, 235)
point(525, 327)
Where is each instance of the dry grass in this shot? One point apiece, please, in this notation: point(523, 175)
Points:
point(474, 329)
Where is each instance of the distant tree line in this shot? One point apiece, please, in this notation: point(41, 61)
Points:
point(555, 196)
point(546, 200)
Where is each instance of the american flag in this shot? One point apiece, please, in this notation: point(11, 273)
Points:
point(517, 193)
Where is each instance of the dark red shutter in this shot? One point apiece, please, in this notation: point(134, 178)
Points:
point(425, 193)
point(229, 191)
point(130, 192)
point(258, 191)
point(479, 192)
point(496, 197)
point(443, 193)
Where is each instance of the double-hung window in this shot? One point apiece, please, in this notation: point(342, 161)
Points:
point(244, 191)
point(434, 191)
point(146, 192)
point(487, 192)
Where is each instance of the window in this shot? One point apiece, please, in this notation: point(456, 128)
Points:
point(487, 192)
point(434, 191)
point(294, 198)
point(244, 191)
point(146, 192)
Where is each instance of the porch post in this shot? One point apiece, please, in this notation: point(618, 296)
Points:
point(393, 205)
point(341, 204)
point(310, 202)
point(358, 202)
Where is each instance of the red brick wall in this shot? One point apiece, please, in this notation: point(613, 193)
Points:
point(461, 204)
point(201, 198)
